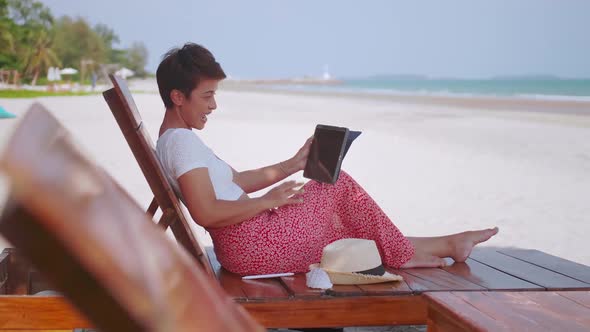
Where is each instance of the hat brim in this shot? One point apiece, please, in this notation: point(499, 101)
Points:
point(353, 278)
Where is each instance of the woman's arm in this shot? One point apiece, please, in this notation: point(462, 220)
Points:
point(208, 211)
point(254, 180)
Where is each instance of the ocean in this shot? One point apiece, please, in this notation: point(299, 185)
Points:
point(543, 88)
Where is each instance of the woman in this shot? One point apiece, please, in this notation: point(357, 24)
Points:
point(286, 229)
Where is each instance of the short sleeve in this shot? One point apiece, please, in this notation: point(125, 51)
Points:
point(186, 152)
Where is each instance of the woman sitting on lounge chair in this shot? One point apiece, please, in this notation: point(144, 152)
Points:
point(286, 229)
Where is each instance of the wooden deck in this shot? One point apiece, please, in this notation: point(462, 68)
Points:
point(286, 301)
point(488, 269)
point(508, 311)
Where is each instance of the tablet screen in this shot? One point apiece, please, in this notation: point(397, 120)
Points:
point(325, 153)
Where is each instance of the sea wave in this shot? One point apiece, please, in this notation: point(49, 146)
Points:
point(344, 89)
point(554, 97)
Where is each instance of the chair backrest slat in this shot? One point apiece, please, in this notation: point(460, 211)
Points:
point(152, 208)
point(129, 120)
point(96, 244)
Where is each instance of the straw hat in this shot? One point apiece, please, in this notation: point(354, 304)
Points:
point(354, 262)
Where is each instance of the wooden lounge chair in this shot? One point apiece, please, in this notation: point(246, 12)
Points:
point(86, 235)
point(286, 301)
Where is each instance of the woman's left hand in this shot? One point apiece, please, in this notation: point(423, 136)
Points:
point(298, 161)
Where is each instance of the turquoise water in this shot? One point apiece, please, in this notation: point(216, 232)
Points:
point(547, 88)
point(492, 87)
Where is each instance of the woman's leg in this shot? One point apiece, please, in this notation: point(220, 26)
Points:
point(357, 215)
point(361, 217)
point(430, 251)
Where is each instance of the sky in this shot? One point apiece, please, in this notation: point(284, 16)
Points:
point(282, 38)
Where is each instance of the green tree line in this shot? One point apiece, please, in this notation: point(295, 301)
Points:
point(32, 40)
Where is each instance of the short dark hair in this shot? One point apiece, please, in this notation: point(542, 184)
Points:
point(183, 68)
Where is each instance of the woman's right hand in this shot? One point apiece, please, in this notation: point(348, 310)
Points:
point(300, 159)
point(284, 194)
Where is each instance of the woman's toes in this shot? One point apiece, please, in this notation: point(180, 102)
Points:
point(465, 242)
point(484, 235)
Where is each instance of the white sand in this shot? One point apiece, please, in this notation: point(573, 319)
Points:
point(433, 169)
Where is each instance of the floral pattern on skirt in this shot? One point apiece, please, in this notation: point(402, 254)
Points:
point(292, 237)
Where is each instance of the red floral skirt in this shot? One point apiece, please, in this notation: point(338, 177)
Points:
point(292, 237)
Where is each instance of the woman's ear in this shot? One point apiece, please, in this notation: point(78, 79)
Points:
point(177, 97)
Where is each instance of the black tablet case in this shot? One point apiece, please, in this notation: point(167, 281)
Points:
point(311, 169)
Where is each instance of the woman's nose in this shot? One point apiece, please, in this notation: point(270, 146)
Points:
point(212, 104)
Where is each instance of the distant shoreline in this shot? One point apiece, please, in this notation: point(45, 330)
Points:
point(567, 107)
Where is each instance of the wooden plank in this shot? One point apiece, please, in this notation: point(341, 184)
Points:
point(46, 330)
point(151, 211)
point(419, 285)
point(449, 312)
point(263, 289)
point(345, 291)
point(557, 309)
point(42, 312)
point(296, 286)
point(527, 271)
point(338, 312)
point(246, 290)
point(387, 288)
point(488, 277)
point(442, 278)
point(582, 298)
point(556, 264)
point(168, 217)
point(251, 290)
point(22, 229)
point(434, 279)
point(532, 311)
point(4, 265)
point(120, 91)
point(230, 283)
point(436, 322)
point(52, 330)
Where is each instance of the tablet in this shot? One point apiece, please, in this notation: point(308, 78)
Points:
point(326, 153)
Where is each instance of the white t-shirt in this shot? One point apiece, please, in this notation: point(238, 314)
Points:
point(181, 150)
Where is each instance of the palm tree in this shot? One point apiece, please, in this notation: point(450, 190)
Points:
point(6, 38)
point(40, 56)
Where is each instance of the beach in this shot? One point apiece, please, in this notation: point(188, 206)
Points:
point(434, 168)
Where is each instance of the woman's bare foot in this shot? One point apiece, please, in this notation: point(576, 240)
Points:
point(463, 243)
point(424, 260)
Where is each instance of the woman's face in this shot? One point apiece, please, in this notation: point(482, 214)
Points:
point(200, 104)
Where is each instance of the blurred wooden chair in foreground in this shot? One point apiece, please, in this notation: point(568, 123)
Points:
point(95, 244)
point(286, 301)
